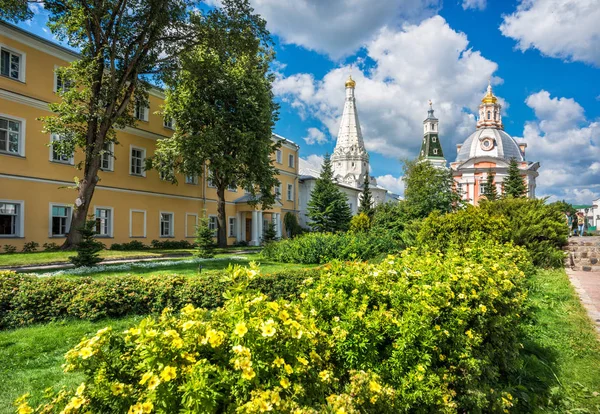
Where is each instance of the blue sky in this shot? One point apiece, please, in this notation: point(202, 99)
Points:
point(543, 57)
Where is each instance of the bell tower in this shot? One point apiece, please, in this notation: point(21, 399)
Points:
point(431, 147)
point(489, 111)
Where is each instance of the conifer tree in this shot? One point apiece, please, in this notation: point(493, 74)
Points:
point(328, 208)
point(88, 247)
point(366, 199)
point(490, 192)
point(514, 185)
point(204, 240)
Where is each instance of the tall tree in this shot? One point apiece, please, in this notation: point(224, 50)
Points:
point(514, 185)
point(328, 208)
point(428, 188)
point(366, 199)
point(16, 10)
point(490, 192)
point(220, 98)
point(119, 42)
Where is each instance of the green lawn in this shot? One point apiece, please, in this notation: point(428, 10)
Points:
point(41, 258)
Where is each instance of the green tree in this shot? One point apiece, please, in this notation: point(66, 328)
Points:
point(361, 223)
point(88, 247)
point(514, 185)
point(428, 189)
point(292, 227)
point(205, 244)
point(490, 192)
point(221, 100)
point(16, 10)
point(270, 234)
point(328, 208)
point(366, 199)
point(119, 42)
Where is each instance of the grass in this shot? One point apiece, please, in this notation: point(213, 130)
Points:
point(41, 258)
point(31, 358)
point(562, 346)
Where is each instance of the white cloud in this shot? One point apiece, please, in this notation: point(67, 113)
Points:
point(311, 164)
point(412, 65)
point(391, 183)
point(474, 4)
point(568, 146)
point(566, 29)
point(338, 27)
point(315, 136)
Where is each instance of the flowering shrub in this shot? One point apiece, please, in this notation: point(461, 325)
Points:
point(324, 247)
point(28, 299)
point(415, 333)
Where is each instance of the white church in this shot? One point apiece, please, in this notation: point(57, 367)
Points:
point(349, 161)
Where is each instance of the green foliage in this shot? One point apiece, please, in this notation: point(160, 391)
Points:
point(88, 247)
point(360, 223)
point(221, 100)
point(366, 199)
point(28, 299)
point(205, 243)
point(535, 225)
point(270, 234)
point(415, 333)
point(428, 189)
point(311, 248)
point(292, 227)
point(51, 247)
point(15, 10)
point(391, 217)
point(30, 247)
point(9, 248)
point(129, 246)
point(328, 208)
point(513, 184)
point(490, 192)
point(171, 244)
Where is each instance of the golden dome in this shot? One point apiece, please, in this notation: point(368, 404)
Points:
point(350, 83)
point(489, 97)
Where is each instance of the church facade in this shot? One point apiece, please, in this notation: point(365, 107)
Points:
point(350, 164)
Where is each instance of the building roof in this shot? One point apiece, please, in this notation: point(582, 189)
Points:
point(505, 146)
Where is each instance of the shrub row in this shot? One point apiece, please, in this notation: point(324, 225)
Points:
point(27, 299)
point(422, 332)
point(324, 247)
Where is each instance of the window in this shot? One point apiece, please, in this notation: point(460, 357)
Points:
point(290, 192)
point(191, 179)
point(61, 82)
point(12, 64)
point(166, 224)
point(291, 160)
point(11, 136)
point(434, 139)
point(60, 220)
point(107, 156)
point(212, 224)
point(54, 154)
point(232, 187)
point(278, 190)
point(138, 155)
point(209, 180)
point(166, 171)
point(433, 127)
point(103, 221)
point(435, 151)
point(232, 227)
point(350, 204)
point(459, 189)
point(141, 111)
point(11, 218)
point(489, 115)
point(169, 123)
point(278, 156)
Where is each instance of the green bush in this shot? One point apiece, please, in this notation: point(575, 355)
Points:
point(205, 240)
point(324, 247)
point(9, 249)
point(171, 244)
point(130, 246)
point(28, 299)
point(360, 223)
point(51, 247)
point(30, 247)
point(415, 333)
point(88, 248)
point(538, 226)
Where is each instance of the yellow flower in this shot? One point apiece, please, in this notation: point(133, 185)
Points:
point(188, 325)
point(86, 352)
point(136, 409)
point(177, 343)
point(153, 383)
point(284, 315)
point(147, 407)
point(278, 362)
point(75, 402)
point(187, 309)
point(24, 408)
point(80, 389)
point(324, 376)
point(273, 305)
point(248, 373)
point(168, 373)
point(303, 361)
point(469, 333)
point(145, 378)
point(288, 369)
point(240, 329)
point(117, 388)
point(285, 383)
point(275, 399)
point(268, 328)
point(483, 308)
point(265, 406)
point(374, 387)
point(215, 338)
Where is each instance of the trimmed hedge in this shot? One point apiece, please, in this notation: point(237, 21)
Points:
point(28, 299)
point(323, 247)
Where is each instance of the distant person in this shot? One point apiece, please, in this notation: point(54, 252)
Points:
point(580, 223)
point(569, 219)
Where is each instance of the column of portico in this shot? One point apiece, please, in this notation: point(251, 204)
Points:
point(260, 226)
point(255, 234)
point(278, 224)
point(238, 229)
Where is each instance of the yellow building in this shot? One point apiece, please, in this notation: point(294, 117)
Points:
point(129, 203)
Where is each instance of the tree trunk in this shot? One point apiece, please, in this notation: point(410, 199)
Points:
point(221, 220)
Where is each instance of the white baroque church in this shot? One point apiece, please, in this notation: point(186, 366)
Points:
point(350, 163)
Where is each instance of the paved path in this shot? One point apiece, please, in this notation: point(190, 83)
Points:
point(587, 285)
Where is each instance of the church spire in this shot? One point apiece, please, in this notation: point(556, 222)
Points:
point(489, 110)
point(431, 148)
point(349, 133)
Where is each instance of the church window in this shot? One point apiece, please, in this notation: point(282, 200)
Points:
point(435, 151)
point(352, 164)
point(434, 139)
point(433, 127)
point(489, 115)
